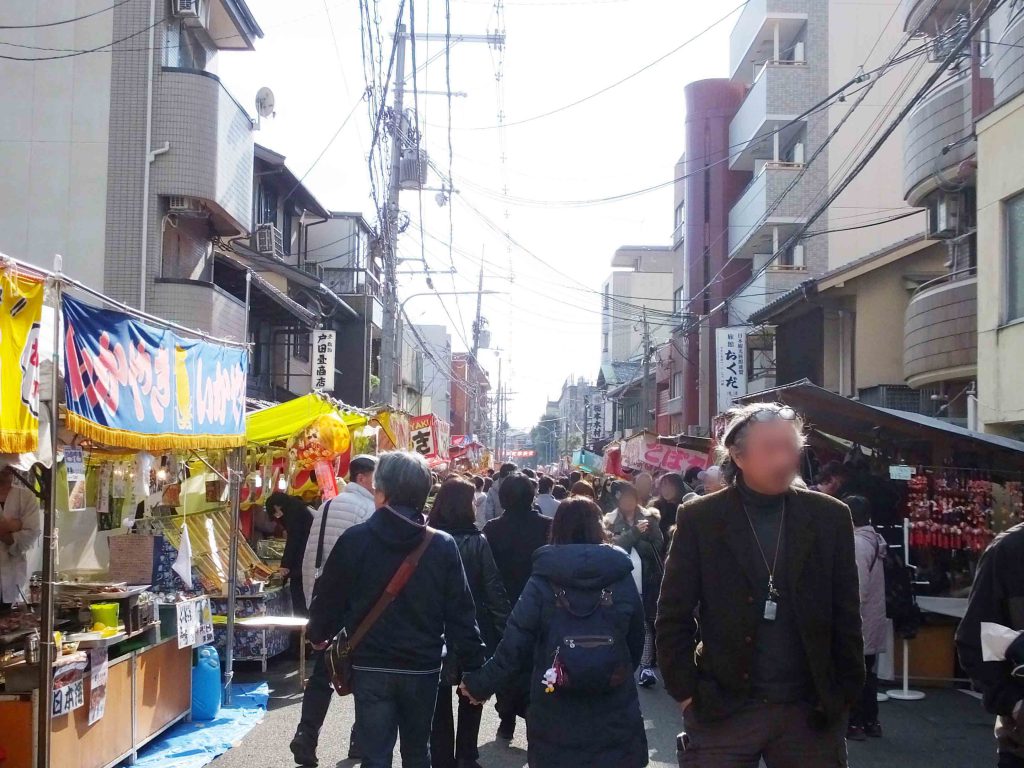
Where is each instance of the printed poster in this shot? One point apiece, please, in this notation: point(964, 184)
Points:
point(21, 311)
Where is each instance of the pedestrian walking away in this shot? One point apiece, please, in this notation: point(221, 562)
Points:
point(578, 629)
point(636, 531)
point(354, 505)
point(759, 630)
point(452, 747)
point(996, 608)
point(513, 538)
point(396, 666)
point(296, 518)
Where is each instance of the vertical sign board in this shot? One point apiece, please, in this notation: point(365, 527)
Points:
point(323, 360)
point(731, 368)
point(422, 439)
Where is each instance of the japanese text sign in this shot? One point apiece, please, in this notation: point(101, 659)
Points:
point(132, 384)
point(323, 360)
point(731, 368)
point(21, 308)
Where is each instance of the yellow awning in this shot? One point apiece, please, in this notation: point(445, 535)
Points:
point(279, 422)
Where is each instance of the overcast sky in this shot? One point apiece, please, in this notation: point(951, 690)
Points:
point(548, 324)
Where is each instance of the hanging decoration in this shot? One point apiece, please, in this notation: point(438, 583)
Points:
point(21, 309)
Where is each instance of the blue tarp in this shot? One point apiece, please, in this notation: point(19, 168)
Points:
point(194, 745)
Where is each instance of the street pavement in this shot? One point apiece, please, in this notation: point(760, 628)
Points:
point(948, 729)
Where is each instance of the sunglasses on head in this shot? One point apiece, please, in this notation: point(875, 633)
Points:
point(761, 415)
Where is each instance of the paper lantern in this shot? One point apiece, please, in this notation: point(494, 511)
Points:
point(324, 440)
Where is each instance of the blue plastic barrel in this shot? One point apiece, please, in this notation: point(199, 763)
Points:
point(206, 684)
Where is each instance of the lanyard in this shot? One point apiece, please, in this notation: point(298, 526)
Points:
point(771, 605)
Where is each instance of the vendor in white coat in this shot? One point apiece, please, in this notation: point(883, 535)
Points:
point(354, 505)
point(19, 531)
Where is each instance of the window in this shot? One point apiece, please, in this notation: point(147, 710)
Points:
point(1015, 257)
point(678, 300)
point(675, 387)
point(606, 300)
point(680, 219)
point(301, 347)
point(182, 48)
point(604, 341)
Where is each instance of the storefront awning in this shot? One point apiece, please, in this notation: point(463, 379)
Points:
point(283, 421)
point(871, 426)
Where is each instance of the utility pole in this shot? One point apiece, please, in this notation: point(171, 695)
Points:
point(478, 322)
point(646, 421)
point(498, 433)
point(389, 226)
point(390, 250)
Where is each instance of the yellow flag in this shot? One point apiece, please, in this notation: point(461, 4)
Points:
point(21, 309)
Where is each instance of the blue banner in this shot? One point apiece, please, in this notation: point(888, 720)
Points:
point(134, 385)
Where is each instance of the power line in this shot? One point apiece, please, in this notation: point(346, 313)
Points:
point(66, 21)
point(84, 51)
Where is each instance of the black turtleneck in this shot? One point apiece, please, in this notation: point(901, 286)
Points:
point(780, 673)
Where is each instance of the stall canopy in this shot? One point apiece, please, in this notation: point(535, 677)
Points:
point(283, 421)
point(871, 426)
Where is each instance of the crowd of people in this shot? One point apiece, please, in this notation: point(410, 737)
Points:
point(760, 605)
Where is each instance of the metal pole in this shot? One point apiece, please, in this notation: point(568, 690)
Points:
point(646, 416)
point(46, 655)
point(236, 468)
point(390, 250)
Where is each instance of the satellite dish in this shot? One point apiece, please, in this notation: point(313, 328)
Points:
point(265, 102)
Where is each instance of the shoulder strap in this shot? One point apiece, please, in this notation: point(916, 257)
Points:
point(323, 528)
point(392, 590)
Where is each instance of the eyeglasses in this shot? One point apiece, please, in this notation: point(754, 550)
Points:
point(760, 416)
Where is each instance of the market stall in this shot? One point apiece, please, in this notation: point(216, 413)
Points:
point(940, 493)
point(147, 409)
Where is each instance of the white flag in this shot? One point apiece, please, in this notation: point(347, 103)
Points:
point(183, 562)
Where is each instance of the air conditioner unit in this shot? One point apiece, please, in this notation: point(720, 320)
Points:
point(269, 241)
point(185, 9)
point(945, 218)
point(183, 205)
point(316, 270)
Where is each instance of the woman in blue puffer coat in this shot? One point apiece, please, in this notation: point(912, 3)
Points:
point(580, 624)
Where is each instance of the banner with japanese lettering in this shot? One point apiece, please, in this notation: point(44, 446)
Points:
point(21, 310)
point(137, 386)
point(323, 360)
point(430, 437)
point(731, 368)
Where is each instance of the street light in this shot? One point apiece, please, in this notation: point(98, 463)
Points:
point(401, 307)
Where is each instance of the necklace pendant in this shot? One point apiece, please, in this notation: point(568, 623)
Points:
point(771, 610)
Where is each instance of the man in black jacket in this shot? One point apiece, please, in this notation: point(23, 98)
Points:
point(997, 597)
point(396, 667)
point(774, 661)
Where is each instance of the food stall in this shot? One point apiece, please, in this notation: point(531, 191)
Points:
point(940, 493)
point(141, 403)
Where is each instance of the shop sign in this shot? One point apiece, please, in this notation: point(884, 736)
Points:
point(195, 622)
point(900, 472)
point(21, 311)
point(430, 437)
point(644, 452)
point(731, 368)
point(135, 385)
point(68, 698)
point(521, 453)
point(323, 360)
point(74, 463)
point(99, 667)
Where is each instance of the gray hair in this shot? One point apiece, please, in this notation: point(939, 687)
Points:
point(734, 436)
point(403, 477)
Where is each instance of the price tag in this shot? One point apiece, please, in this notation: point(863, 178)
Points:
point(205, 633)
point(68, 698)
point(188, 623)
point(900, 472)
point(74, 463)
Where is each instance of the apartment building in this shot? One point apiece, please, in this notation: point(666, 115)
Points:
point(470, 398)
point(99, 150)
point(641, 277)
point(763, 147)
point(437, 374)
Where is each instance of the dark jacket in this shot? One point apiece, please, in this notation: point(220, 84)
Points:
point(488, 590)
point(712, 569)
point(997, 596)
point(649, 546)
point(296, 522)
point(514, 537)
point(435, 607)
point(598, 731)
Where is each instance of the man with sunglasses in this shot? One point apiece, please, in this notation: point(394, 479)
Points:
point(759, 632)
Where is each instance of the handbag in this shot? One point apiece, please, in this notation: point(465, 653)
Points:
point(339, 653)
point(318, 567)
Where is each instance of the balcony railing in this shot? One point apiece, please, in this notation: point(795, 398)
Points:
point(752, 218)
point(779, 93)
point(938, 138)
point(940, 339)
point(351, 281)
point(755, 24)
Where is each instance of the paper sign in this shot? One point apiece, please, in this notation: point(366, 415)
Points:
point(900, 472)
point(98, 672)
point(74, 462)
point(68, 697)
point(323, 360)
point(731, 358)
point(195, 622)
point(326, 480)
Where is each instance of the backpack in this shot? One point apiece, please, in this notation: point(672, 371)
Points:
point(588, 649)
point(900, 603)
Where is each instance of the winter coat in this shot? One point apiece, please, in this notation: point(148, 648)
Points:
point(997, 597)
point(491, 508)
point(296, 525)
point(352, 506)
point(712, 573)
point(667, 511)
point(514, 537)
point(649, 546)
point(435, 607)
point(870, 548)
point(488, 590)
point(563, 730)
